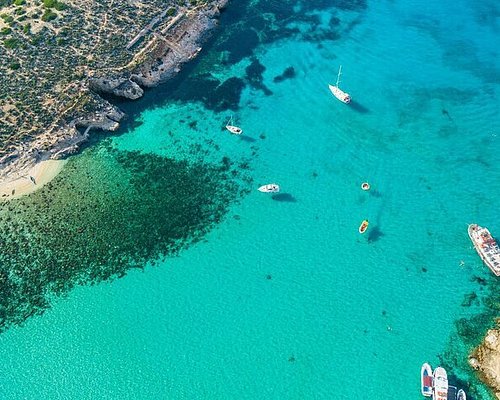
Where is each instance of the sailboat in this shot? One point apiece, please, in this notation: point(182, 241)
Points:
point(232, 128)
point(337, 92)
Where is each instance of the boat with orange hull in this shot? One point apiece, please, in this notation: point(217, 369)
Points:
point(364, 226)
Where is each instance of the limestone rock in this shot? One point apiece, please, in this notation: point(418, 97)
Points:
point(486, 359)
point(121, 87)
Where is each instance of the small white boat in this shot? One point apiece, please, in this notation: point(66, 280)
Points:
point(440, 390)
point(337, 92)
point(461, 395)
point(233, 128)
point(269, 188)
point(426, 379)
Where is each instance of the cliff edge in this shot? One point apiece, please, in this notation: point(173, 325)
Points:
point(486, 360)
point(59, 57)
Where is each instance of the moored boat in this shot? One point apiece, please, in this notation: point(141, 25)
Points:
point(440, 384)
point(364, 226)
point(486, 246)
point(461, 395)
point(426, 380)
point(233, 128)
point(339, 93)
point(269, 188)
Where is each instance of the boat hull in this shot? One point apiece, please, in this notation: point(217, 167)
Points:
point(440, 384)
point(426, 380)
point(486, 247)
point(234, 129)
point(269, 188)
point(363, 227)
point(461, 395)
point(340, 94)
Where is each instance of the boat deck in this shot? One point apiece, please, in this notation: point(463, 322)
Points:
point(452, 392)
point(486, 247)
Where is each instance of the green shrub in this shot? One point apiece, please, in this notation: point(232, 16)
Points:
point(49, 3)
point(14, 65)
point(19, 2)
point(11, 43)
point(26, 28)
point(7, 18)
point(48, 15)
point(5, 31)
point(59, 6)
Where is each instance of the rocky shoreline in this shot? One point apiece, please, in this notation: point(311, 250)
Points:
point(161, 58)
point(486, 360)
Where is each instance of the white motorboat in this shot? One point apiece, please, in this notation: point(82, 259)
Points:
point(486, 246)
point(440, 389)
point(236, 130)
point(461, 395)
point(337, 92)
point(426, 380)
point(269, 188)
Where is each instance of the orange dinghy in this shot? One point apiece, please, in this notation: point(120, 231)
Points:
point(364, 226)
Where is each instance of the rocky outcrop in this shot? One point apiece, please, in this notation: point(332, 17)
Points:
point(61, 143)
point(170, 47)
point(181, 44)
point(119, 86)
point(486, 360)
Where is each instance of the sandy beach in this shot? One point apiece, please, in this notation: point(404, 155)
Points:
point(40, 174)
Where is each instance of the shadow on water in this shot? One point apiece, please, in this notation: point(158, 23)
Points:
point(285, 197)
point(249, 139)
point(374, 234)
point(375, 193)
point(356, 106)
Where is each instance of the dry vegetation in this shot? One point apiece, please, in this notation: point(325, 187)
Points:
point(49, 49)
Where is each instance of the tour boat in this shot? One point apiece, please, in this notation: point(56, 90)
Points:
point(337, 92)
point(364, 226)
point(426, 379)
point(486, 246)
point(269, 188)
point(461, 395)
point(440, 389)
point(232, 128)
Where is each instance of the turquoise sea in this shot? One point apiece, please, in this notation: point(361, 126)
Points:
point(152, 268)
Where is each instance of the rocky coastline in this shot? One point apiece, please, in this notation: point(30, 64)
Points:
point(485, 359)
point(162, 49)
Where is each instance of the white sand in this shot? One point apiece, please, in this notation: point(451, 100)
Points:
point(42, 172)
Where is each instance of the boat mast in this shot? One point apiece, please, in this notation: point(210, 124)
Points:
point(338, 76)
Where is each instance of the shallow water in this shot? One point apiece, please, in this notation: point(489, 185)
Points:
point(280, 297)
